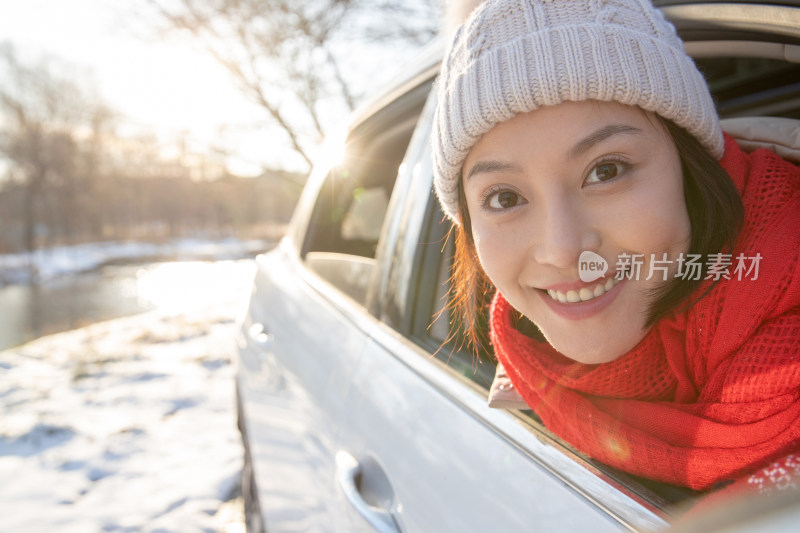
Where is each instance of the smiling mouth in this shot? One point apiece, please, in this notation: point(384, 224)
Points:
point(584, 294)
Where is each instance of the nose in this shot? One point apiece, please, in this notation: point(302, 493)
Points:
point(561, 233)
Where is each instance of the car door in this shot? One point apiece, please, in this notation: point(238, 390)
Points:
point(289, 370)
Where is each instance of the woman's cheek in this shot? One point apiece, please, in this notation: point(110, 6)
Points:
point(654, 221)
point(498, 251)
point(483, 246)
point(487, 246)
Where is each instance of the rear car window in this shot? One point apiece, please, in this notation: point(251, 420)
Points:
point(349, 213)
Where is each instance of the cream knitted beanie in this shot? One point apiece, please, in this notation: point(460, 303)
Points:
point(514, 56)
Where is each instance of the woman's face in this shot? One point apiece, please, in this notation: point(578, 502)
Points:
point(578, 177)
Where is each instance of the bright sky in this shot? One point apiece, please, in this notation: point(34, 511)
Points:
point(171, 87)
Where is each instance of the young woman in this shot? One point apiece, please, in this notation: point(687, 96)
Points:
point(643, 271)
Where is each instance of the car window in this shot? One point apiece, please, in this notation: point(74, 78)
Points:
point(346, 220)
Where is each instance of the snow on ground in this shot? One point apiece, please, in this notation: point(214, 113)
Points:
point(126, 425)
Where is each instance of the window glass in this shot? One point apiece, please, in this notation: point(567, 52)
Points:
point(367, 207)
point(435, 327)
point(347, 218)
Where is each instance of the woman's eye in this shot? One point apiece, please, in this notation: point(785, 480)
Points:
point(503, 200)
point(603, 172)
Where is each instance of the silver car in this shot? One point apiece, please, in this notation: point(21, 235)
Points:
point(357, 409)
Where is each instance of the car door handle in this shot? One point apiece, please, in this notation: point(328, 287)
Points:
point(260, 336)
point(347, 471)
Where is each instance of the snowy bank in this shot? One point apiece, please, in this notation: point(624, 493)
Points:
point(49, 263)
point(126, 425)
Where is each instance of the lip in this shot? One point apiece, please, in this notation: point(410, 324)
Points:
point(581, 310)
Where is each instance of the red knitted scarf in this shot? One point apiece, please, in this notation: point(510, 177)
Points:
point(708, 395)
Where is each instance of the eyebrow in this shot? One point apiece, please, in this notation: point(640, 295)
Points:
point(580, 147)
point(600, 135)
point(492, 166)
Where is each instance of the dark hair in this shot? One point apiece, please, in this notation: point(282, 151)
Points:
point(715, 213)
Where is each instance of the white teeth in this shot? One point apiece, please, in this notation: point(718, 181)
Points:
point(584, 294)
point(573, 296)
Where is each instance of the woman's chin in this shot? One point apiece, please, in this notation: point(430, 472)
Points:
point(591, 358)
point(593, 353)
point(595, 340)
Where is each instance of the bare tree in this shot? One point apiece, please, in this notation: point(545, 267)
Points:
point(45, 119)
point(295, 57)
point(67, 177)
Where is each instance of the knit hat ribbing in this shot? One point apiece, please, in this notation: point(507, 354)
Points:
point(514, 56)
